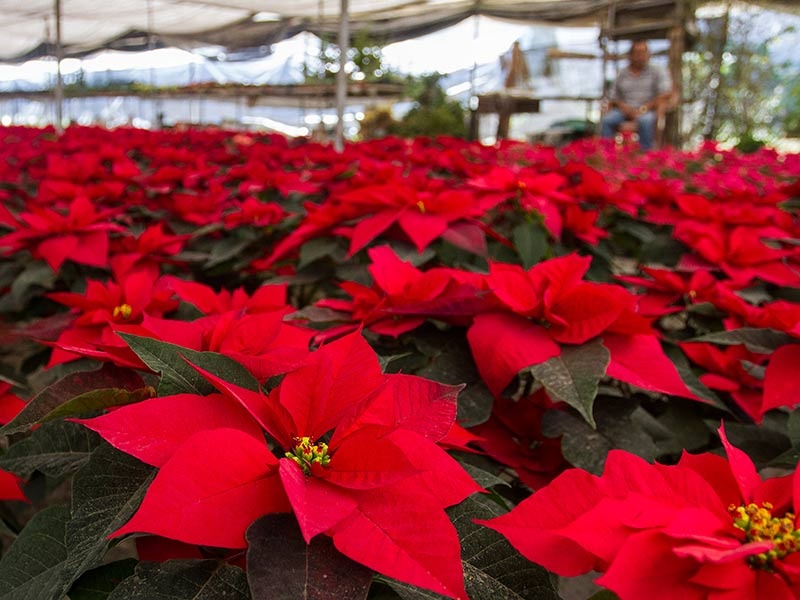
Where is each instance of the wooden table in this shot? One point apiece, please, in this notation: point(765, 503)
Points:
point(504, 103)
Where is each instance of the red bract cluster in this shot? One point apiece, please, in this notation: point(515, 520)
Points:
point(704, 528)
point(275, 327)
point(379, 470)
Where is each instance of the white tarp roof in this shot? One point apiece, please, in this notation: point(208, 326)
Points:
point(26, 25)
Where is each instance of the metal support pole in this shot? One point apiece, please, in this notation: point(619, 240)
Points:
point(59, 87)
point(155, 101)
point(341, 76)
point(473, 102)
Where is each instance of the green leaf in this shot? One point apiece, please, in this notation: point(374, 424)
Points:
point(686, 426)
point(482, 477)
point(500, 571)
point(55, 449)
point(105, 494)
point(493, 569)
point(281, 566)
point(407, 362)
point(97, 400)
point(617, 427)
point(662, 249)
point(32, 567)
point(790, 457)
point(604, 595)
point(636, 229)
point(530, 240)
point(407, 252)
point(318, 314)
point(763, 341)
point(318, 248)
point(28, 284)
point(226, 249)
point(70, 386)
point(177, 376)
point(793, 427)
point(574, 376)
point(409, 592)
point(6, 532)
point(690, 379)
point(763, 444)
point(583, 587)
point(184, 580)
point(98, 583)
point(450, 362)
point(474, 405)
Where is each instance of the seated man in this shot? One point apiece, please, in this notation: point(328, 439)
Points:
point(638, 93)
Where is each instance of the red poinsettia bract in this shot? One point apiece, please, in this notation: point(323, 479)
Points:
point(357, 459)
point(80, 235)
point(231, 318)
point(706, 528)
point(549, 306)
point(10, 405)
point(402, 297)
point(513, 437)
point(106, 304)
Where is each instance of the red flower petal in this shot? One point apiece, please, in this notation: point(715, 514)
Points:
point(409, 402)
point(364, 460)
point(56, 250)
point(717, 472)
point(422, 229)
point(210, 491)
point(533, 527)
point(440, 474)
point(503, 344)
point(514, 288)
point(369, 228)
point(154, 429)
point(640, 361)
point(468, 236)
point(340, 376)
point(11, 487)
point(92, 249)
point(406, 535)
point(742, 467)
point(266, 410)
point(586, 311)
point(317, 504)
point(780, 378)
point(646, 567)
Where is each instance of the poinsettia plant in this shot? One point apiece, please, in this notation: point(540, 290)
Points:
point(235, 365)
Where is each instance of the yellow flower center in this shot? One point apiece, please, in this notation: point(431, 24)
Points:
point(305, 453)
point(421, 206)
point(759, 525)
point(123, 311)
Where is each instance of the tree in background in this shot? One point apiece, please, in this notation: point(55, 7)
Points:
point(433, 113)
point(792, 108)
point(739, 92)
point(364, 57)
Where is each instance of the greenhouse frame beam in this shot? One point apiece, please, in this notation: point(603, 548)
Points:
point(341, 75)
point(58, 91)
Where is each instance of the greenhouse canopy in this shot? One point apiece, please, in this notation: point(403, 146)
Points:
point(28, 29)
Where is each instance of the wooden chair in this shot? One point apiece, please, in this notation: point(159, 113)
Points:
point(628, 130)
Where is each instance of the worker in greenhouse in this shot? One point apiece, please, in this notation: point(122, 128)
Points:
point(639, 95)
